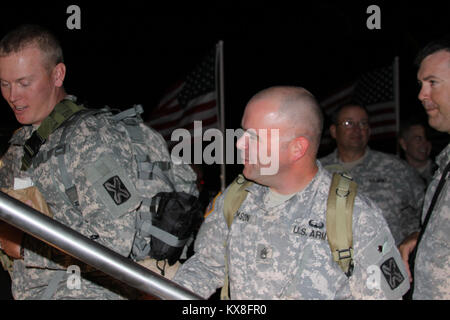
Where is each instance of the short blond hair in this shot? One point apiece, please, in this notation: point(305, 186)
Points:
point(32, 35)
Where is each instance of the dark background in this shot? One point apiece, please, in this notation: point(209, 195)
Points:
point(130, 52)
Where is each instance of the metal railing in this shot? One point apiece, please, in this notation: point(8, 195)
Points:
point(73, 243)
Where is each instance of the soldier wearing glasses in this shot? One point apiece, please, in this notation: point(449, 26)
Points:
point(395, 187)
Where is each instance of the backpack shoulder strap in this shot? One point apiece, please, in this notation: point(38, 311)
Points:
point(63, 111)
point(234, 197)
point(60, 150)
point(339, 220)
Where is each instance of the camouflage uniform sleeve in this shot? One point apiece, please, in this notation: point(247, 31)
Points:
point(97, 153)
point(204, 272)
point(6, 170)
point(417, 190)
point(7, 181)
point(413, 193)
point(379, 272)
point(104, 174)
point(100, 164)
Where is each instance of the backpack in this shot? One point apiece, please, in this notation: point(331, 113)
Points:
point(338, 220)
point(165, 221)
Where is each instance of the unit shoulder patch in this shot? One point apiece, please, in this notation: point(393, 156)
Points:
point(211, 205)
point(392, 273)
point(117, 190)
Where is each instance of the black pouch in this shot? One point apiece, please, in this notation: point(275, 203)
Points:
point(177, 216)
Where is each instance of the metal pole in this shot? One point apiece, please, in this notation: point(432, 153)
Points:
point(71, 242)
point(220, 87)
point(397, 100)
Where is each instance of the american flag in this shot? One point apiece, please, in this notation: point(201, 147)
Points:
point(192, 99)
point(377, 91)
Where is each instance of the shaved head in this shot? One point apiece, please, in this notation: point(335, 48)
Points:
point(298, 108)
point(283, 126)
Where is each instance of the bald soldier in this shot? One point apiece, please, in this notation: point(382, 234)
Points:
point(272, 249)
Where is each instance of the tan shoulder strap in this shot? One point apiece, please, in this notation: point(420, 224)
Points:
point(339, 220)
point(234, 197)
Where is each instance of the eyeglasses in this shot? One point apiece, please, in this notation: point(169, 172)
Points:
point(348, 124)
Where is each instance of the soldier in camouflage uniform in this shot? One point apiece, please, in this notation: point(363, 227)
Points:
point(416, 146)
point(432, 259)
point(395, 187)
point(277, 246)
point(31, 81)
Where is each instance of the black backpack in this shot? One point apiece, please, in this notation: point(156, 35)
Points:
point(178, 217)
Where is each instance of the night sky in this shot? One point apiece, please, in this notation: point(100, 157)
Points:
point(128, 52)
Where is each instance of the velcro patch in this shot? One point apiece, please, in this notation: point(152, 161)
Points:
point(117, 190)
point(392, 273)
point(113, 187)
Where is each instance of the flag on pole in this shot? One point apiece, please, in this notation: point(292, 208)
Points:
point(193, 98)
point(339, 97)
point(378, 91)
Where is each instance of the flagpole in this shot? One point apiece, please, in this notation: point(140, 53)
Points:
point(221, 105)
point(397, 99)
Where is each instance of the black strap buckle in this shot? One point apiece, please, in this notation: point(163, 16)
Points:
point(30, 149)
point(33, 144)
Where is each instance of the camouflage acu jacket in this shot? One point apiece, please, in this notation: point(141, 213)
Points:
point(97, 149)
point(282, 252)
point(395, 187)
point(432, 265)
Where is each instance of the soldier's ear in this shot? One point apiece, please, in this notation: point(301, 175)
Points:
point(298, 147)
point(58, 74)
point(402, 143)
point(333, 131)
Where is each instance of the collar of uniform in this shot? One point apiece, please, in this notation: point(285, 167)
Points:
point(443, 158)
point(306, 197)
point(365, 156)
point(426, 167)
point(258, 192)
point(21, 135)
point(300, 194)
